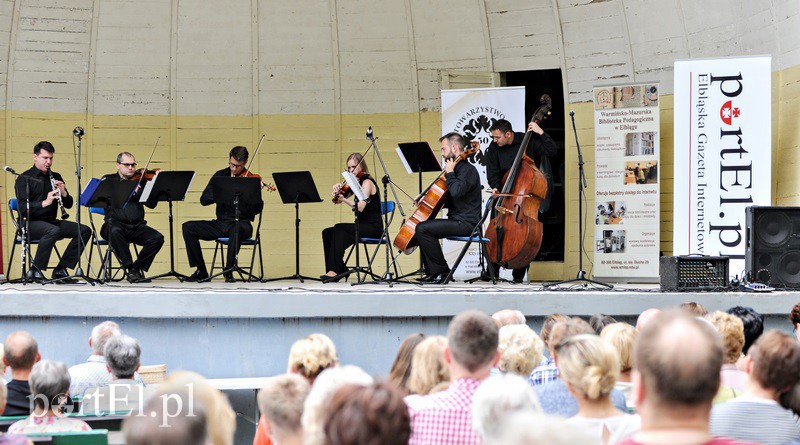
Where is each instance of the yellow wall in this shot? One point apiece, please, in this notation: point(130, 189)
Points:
point(320, 143)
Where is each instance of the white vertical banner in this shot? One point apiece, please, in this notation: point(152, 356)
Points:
point(471, 112)
point(627, 182)
point(723, 148)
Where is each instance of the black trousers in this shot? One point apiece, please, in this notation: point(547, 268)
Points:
point(121, 236)
point(336, 239)
point(429, 233)
point(48, 232)
point(194, 231)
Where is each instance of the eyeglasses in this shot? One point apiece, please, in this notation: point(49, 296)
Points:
point(129, 165)
point(235, 165)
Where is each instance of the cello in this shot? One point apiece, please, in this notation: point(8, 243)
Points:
point(515, 233)
point(431, 201)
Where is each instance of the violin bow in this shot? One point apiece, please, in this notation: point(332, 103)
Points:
point(144, 171)
point(255, 154)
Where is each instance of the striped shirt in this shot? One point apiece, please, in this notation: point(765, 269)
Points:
point(755, 419)
point(445, 417)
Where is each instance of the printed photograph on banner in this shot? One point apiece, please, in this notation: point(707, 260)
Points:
point(627, 160)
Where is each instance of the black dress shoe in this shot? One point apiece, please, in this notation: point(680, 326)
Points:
point(229, 277)
point(198, 275)
point(34, 276)
point(61, 275)
point(436, 278)
point(336, 278)
point(134, 276)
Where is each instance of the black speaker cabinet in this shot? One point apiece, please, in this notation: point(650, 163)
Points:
point(694, 273)
point(773, 246)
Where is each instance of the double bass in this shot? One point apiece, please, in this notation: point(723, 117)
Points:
point(515, 233)
point(431, 201)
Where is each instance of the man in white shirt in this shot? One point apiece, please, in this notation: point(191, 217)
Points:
point(94, 373)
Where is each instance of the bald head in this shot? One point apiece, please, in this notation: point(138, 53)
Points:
point(21, 351)
point(507, 317)
point(645, 317)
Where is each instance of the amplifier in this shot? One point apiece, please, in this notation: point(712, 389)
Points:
point(694, 273)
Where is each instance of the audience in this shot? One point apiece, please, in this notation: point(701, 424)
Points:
point(281, 405)
point(94, 373)
point(600, 321)
point(172, 419)
point(446, 417)
point(315, 407)
point(507, 317)
point(429, 371)
point(401, 368)
point(589, 368)
point(773, 366)
point(694, 308)
point(367, 415)
point(520, 350)
point(498, 398)
point(532, 428)
point(731, 328)
point(645, 317)
point(122, 354)
point(21, 352)
point(220, 417)
point(3, 365)
point(753, 327)
point(678, 358)
point(622, 337)
point(49, 382)
point(10, 439)
point(548, 372)
point(794, 317)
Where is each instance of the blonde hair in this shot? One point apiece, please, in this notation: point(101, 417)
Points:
point(358, 157)
point(316, 404)
point(589, 365)
point(520, 349)
point(622, 337)
point(731, 328)
point(311, 355)
point(428, 368)
point(220, 418)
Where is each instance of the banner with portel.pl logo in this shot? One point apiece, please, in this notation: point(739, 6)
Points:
point(723, 148)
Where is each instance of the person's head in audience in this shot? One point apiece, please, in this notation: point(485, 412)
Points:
point(773, 364)
point(678, 360)
point(3, 395)
point(3, 363)
point(753, 324)
point(694, 308)
point(49, 382)
point(401, 368)
point(20, 353)
point(315, 407)
point(599, 321)
point(547, 326)
point(507, 317)
point(472, 339)
point(100, 335)
point(794, 317)
point(535, 428)
point(123, 355)
point(428, 368)
point(281, 404)
point(311, 355)
point(221, 418)
point(565, 329)
point(589, 366)
point(171, 419)
point(367, 415)
point(791, 399)
point(520, 349)
point(645, 317)
point(731, 329)
point(496, 399)
point(622, 337)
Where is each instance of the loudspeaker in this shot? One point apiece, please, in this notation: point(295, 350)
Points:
point(773, 246)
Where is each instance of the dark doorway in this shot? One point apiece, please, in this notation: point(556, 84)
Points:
point(536, 83)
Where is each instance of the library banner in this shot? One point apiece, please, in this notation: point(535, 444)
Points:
point(471, 112)
point(723, 148)
point(627, 174)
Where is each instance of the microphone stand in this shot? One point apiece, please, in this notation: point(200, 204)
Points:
point(581, 278)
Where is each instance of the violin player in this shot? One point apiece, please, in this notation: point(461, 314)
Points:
point(337, 239)
point(125, 226)
point(463, 201)
point(223, 226)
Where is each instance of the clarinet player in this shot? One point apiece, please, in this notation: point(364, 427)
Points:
point(48, 201)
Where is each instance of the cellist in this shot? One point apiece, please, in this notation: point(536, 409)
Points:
point(463, 201)
point(500, 156)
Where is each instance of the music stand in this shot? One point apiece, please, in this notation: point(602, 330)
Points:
point(168, 186)
point(296, 188)
point(107, 194)
point(235, 191)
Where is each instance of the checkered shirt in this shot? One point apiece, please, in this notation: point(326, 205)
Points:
point(445, 418)
point(92, 374)
point(545, 372)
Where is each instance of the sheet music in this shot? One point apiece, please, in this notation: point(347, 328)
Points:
point(352, 181)
point(148, 187)
point(403, 160)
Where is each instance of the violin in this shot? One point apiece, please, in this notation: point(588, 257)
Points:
point(148, 174)
point(345, 190)
point(248, 174)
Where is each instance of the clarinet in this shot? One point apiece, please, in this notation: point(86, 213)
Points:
point(64, 214)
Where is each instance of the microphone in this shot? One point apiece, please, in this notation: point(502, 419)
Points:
point(369, 133)
point(571, 113)
point(78, 131)
point(10, 170)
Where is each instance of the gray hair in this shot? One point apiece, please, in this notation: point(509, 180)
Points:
point(507, 317)
point(532, 428)
point(498, 398)
point(100, 335)
point(160, 425)
point(122, 355)
point(328, 382)
point(49, 381)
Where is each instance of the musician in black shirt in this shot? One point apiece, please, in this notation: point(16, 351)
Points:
point(223, 226)
point(500, 154)
point(463, 201)
point(126, 225)
point(44, 226)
